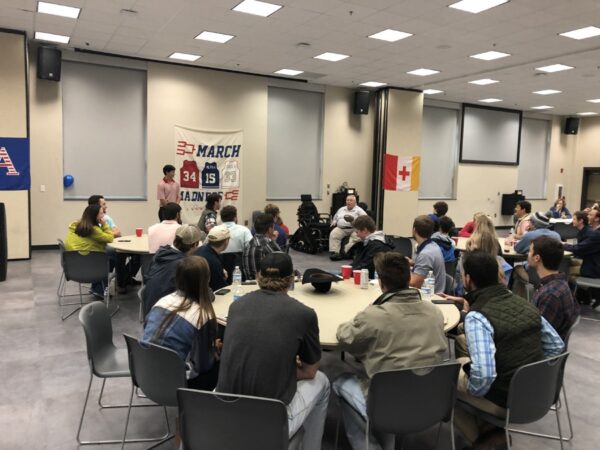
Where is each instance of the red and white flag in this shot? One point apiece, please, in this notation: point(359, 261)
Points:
point(401, 173)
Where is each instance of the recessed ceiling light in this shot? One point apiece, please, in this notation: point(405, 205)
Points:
point(432, 91)
point(490, 100)
point(390, 35)
point(476, 6)
point(488, 56)
point(257, 8)
point(554, 68)
point(594, 100)
point(373, 84)
point(582, 33)
point(289, 72)
point(328, 56)
point(483, 81)
point(58, 10)
point(423, 72)
point(52, 37)
point(588, 113)
point(547, 92)
point(184, 56)
point(214, 37)
point(542, 107)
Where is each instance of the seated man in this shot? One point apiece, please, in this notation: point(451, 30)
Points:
point(239, 236)
point(217, 241)
point(503, 332)
point(282, 235)
point(429, 256)
point(588, 249)
point(440, 209)
point(163, 233)
point(538, 226)
point(522, 215)
point(342, 227)
point(371, 243)
point(398, 331)
point(160, 279)
point(259, 246)
point(553, 298)
point(271, 349)
point(594, 219)
point(443, 240)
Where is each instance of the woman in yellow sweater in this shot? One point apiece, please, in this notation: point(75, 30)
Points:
point(90, 234)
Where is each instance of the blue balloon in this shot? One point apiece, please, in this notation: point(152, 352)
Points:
point(68, 180)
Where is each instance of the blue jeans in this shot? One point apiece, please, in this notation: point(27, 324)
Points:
point(308, 408)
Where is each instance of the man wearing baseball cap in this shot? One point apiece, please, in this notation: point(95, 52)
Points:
point(216, 242)
point(271, 349)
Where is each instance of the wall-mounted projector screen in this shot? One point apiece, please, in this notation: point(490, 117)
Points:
point(490, 135)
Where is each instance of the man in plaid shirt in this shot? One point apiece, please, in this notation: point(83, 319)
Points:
point(261, 245)
point(553, 297)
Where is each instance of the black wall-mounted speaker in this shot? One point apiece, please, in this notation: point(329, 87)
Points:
point(48, 63)
point(361, 102)
point(571, 125)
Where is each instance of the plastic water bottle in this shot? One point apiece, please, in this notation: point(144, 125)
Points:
point(238, 292)
point(429, 286)
point(237, 276)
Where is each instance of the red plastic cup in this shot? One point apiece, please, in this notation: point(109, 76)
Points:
point(139, 232)
point(356, 276)
point(346, 271)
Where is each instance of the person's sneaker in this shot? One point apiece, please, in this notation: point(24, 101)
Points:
point(336, 257)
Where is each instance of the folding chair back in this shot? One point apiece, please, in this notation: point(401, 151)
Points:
point(566, 231)
point(85, 268)
point(403, 246)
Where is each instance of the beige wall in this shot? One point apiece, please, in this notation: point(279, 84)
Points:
point(13, 123)
point(585, 154)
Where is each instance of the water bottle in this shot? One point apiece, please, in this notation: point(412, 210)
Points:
point(237, 276)
point(238, 292)
point(429, 286)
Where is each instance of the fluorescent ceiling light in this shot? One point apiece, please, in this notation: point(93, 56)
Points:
point(588, 113)
point(390, 35)
point(214, 37)
point(373, 84)
point(58, 10)
point(490, 100)
point(257, 8)
point(554, 68)
point(488, 56)
point(184, 56)
point(52, 37)
point(328, 56)
point(423, 72)
point(483, 81)
point(594, 100)
point(547, 92)
point(432, 91)
point(542, 107)
point(289, 72)
point(582, 33)
point(476, 6)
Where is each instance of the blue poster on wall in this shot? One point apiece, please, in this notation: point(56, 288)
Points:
point(14, 164)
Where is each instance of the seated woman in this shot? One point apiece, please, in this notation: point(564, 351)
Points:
point(469, 227)
point(559, 210)
point(185, 322)
point(90, 234)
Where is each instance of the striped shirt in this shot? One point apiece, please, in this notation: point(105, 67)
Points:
point(254, 251)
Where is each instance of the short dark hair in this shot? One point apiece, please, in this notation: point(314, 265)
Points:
point(272, 209)
point(424, 226)
point(393, 270)
point(228, 213)
point(170, 211)
point(364, 222)
point(580, 215)
point(446, 224)
point(95, 199)
point(441, 208)
point(211, 199)
point(549, 250)
point(524, 204)
point(481, 267)
point(168, 168)
point(263, 223)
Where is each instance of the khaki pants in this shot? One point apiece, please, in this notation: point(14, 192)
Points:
point(520, 279)
point(336, 236)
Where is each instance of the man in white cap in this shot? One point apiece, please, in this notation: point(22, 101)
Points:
point(216, 242)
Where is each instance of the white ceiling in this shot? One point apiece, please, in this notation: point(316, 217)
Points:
point(443, 40)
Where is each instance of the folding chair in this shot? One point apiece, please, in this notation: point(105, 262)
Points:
point(403, 245)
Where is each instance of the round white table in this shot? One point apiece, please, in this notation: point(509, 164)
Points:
point(130, 244)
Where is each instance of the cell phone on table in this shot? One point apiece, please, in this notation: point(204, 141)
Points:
point(222, 291)
point(443, 302)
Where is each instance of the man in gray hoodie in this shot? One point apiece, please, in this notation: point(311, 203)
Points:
point(371, 243)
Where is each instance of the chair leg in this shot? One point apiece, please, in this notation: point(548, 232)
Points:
point(87, 396)
point(571, 434)
point(560, 438)
point(125, 405)
point(62, 295)
point(169, 435)
point(128, 415)
point(452, 429)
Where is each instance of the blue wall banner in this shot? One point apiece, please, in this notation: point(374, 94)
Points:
point(14, 164)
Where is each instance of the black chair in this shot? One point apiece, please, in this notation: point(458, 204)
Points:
point(403, 245)
point(449, 289)
point(566, 231)
point(215, 420)
point(230, 260)
point(312, 235)
point(158, 372)
point(534, 389)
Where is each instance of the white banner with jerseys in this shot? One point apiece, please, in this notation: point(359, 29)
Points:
point(207, 162)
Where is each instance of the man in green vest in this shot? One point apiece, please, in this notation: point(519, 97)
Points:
point(503, 332)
